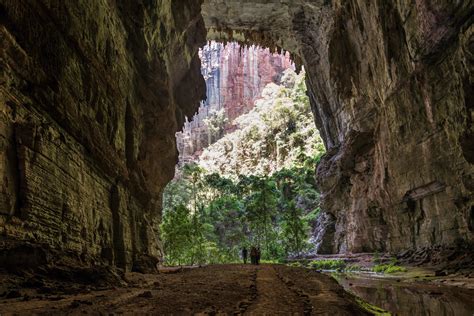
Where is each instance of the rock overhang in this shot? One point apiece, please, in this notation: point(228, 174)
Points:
point(265, 23)
point(372, 67)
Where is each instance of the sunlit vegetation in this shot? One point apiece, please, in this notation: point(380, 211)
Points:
point(388, 268)
point(328, 264)
point(272, 136)
point(353, 267)
point(215, 124)
point(343, 266)
point(296, 264)
point(254, 187)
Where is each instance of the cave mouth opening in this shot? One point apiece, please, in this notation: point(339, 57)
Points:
point(247, 159)
point(236, 73)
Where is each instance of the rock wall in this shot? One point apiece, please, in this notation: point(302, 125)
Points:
point(391, 85)
point(92, 93)
point(235, 76)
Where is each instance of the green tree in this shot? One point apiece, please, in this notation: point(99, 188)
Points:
point(227, 218)
point(198, 242)
point(194, 173)
point(295, 229)
point(176, 231)
point(255, 185)
point(260, 208)
point(215, 123)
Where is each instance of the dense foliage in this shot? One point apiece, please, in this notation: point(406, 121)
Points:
point(254, 187)
point(271, 136)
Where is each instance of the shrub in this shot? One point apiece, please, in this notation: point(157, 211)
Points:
point(353, 267)
point(393, 269)
point(388, 268)
point(328, 264)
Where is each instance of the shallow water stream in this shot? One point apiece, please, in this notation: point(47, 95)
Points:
point(407, 296)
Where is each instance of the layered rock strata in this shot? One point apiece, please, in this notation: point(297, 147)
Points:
point(92, 94)
point(235, 76)
point(390, 84)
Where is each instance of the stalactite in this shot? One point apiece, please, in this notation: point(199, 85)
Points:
point(233, 82)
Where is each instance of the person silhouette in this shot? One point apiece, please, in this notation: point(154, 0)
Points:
point(253, 255)
point(244, 254)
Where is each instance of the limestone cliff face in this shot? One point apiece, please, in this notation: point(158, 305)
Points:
point(391, 88)
point(235, 77)
point(92, 93)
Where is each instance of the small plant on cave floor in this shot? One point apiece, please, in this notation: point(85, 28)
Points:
point(328, 264)
point(388, 268)
point(353, 267)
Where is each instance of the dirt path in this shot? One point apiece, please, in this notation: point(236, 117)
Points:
point(211, 290)
point(274, 296)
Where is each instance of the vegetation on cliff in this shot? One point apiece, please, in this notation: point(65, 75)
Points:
point(272, 136)
point(255, 186)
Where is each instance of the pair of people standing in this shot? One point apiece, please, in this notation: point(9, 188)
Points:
point(254, 255)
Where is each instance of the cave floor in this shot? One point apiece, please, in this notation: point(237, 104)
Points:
point(218, 289)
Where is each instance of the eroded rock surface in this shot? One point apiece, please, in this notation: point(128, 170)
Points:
point(391, 88)
point(92, 93)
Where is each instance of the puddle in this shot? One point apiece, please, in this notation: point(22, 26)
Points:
point(407, 297)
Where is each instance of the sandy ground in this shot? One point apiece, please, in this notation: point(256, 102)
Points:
point(211, 290)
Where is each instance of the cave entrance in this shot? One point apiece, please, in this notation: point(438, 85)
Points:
point(247, 159)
